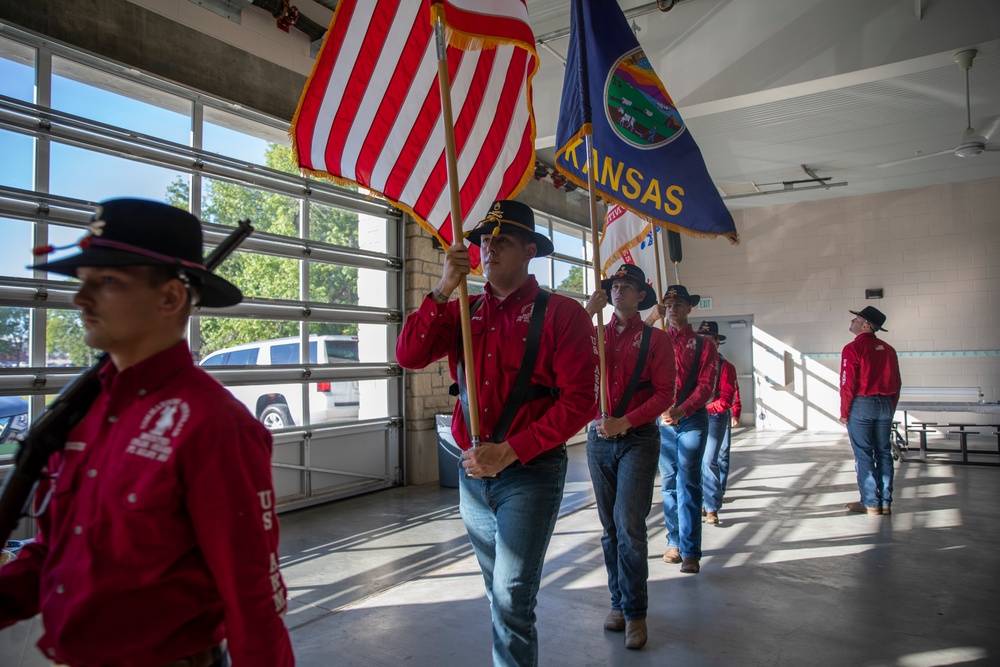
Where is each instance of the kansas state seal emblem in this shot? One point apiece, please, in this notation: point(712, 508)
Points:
point(637, 104)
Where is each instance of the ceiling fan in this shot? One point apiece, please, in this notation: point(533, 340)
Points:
point(973, 143)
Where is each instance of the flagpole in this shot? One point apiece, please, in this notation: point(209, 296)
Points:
point(659, 278)
point(674, 246)
point(458, 234)
point(664, 249)
point(596, 242)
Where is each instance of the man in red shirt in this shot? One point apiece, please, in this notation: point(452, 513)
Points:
point(684, 429)
point(715, 465)
point(869, 392)
point(510, 495)
point(160, 543)
point(623, 447)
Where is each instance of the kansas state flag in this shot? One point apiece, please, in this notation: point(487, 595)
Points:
point(645, 158)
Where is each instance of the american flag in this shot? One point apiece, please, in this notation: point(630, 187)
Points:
point(371, 111)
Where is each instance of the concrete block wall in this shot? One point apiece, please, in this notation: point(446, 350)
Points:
point(426, 389)
point(935, 252)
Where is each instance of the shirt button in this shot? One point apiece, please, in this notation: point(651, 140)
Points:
point(113, 419)
point(60, 589)
point(493, 328)
point(486, 409)
point(51, 651)
point(132, 497)
point(525, 338)
point(487, 382)
point(77, 530)
point(142, 392)
point(92, 472)
point(489, 356)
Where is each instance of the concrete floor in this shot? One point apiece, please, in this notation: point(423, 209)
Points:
point(788, 578)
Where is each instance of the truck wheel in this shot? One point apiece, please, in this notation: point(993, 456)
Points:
point(276, 416)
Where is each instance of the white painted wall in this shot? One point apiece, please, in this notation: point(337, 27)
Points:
point(935, 252)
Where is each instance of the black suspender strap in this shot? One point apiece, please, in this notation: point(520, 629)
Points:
point(718, 380)
point(519, 392)
point(633, 382)
point(692, 379)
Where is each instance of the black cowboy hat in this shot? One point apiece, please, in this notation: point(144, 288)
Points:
point(710, 328)
point(635, 274)
point(140, 232)
point(681, 292)
point(511, 217)
point(873, 316)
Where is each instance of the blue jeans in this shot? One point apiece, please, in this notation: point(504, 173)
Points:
point(682, 449)
point(510, 520)
point(715, 464)
point(623, 472)
point(869, 426)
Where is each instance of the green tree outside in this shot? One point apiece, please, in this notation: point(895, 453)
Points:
point(14, 336)
point(266, 276)
point(64, 337)
point(573, 282)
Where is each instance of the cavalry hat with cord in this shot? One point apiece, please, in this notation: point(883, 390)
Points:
point(635, 274)
point(141, 232)
point(681, 292)
point(511, 217)
point(710, 328)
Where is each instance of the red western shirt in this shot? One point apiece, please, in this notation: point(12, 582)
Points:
point(725, 395)
point(161, 537)
point(868, 367)
point(567, 360)
point(737, 405)
point(684, 341)
point(621, 352)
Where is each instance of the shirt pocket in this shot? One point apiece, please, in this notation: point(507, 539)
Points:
point(64, 481)
point(56, 493)
point(511, 347)
point(144, 487)
point(145, 519)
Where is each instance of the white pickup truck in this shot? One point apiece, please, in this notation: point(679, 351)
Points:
point(280, 406)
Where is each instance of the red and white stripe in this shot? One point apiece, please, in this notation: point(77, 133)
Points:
point(371, 112)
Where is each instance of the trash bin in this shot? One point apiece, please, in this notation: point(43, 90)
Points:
point(449, 453)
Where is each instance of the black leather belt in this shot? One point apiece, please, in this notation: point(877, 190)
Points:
point(549, 453)
point(630, 430)
point(215, 656)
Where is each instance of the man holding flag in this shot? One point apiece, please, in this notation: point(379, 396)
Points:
point(380, 110)
point(623, 447)
point(620, 135)
point(513, 486)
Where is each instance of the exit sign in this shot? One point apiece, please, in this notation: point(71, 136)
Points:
point(705, 303)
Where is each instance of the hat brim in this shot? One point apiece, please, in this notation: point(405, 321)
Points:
point(877, 328)
point(543, 243)
point(692, 299)
point(215, 292)
point(645, 304)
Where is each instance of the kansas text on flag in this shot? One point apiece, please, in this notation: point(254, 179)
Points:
point(371, 110)
point(644, 157)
